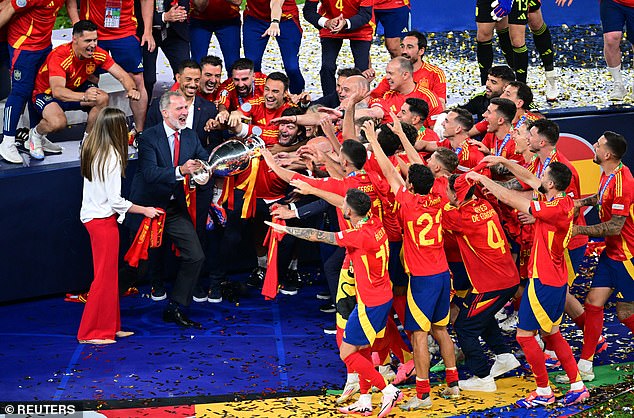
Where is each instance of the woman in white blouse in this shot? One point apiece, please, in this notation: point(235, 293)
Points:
point(104, 156)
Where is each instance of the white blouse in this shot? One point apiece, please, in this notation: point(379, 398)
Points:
point(102, 197)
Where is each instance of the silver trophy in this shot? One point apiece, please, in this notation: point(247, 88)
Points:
point(229, 158)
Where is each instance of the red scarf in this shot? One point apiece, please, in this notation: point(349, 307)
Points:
point(272, 239)
point(149, 235)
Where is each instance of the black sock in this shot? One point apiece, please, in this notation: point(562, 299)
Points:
point(485, 59)
point(504, 40)
point(520, 57)
point(544, 45)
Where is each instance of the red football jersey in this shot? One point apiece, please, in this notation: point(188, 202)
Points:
point(31, 26)
point(62, 62)
point(389, 4)
point(330, 9)
point(393, 101)
point(617, 199)
point(389, 214)
point(216, 10)
point(468, 155)
point(228, 95)
point(574, 190)
point(261, 9)
point(421, 217)
point(483, 245)
point(428, 75)
point(553, 229)
point(426, 134)
point(115, 19)
point(504, 147)
point(369, 253)
point(268, 185)
point(260, 116)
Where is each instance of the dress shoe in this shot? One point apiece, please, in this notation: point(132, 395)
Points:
point(179, 318)
point(123, 334)
point(97, 341)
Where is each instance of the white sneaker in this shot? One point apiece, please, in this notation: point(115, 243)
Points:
point(391, 396)
point(501, 315)
point(387, 373)
point(618, 92)
point(51, 147)
point(351, 387)
point(510, 323)
point(450, 392)
point(415, 402)
point(587, 375)
point(504, 363)
point(476, 384)
point(35, 145)
point(360, 407)
point(9, 152)
point(552, 88)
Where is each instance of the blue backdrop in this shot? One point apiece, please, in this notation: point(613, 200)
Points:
point(446, 15)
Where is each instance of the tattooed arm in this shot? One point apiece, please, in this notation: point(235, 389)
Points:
point(587, 201)
point(512, 184)
point(604, 229)
point(309, 234)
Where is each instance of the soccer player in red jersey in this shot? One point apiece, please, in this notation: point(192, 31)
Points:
point(497, 140)
point(615, 200)
point(494, 279)
point(366, 243)
point(243, 85)
point(455, 136)
point(394, 16)
point(427, 309)
point(542, 308)
point(261, 111)
point(117, 26)
point(66, 81)
point(402, 86)
point(28, 25)
point(277, 19)
point(413, 46)
point(337, 20)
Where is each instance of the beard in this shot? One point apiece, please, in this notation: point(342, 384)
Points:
point(541, 189)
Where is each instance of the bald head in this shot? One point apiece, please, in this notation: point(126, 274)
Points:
point(354, 84)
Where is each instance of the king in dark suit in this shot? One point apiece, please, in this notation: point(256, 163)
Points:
point(167, 153)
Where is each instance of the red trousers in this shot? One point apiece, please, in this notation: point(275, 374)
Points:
point(101, 318)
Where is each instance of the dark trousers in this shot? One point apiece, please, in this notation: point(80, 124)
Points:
point(472, 323)
point(330, 48)
point(176, 50)
point(332, 269)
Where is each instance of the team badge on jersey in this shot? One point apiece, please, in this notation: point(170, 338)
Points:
point(90, 68)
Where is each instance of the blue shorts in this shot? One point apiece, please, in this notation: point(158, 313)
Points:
point(395, 22)
point(395, 266)
point(126, 52)
point(366, 324)
point(459, 279)
point(614, 16)
point(574, 258)
point(427, 301)
point(617, 275)
point(542, 306)
point(42, 100)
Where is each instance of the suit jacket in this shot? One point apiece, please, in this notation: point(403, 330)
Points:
point(203, 111)
point(155, 180)
point(179, 29)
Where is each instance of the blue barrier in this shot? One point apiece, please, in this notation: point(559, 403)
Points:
point(451, 15)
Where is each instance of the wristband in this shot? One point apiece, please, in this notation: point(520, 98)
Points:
point(275, 21)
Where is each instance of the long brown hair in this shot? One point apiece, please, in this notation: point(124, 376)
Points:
point(110, 130)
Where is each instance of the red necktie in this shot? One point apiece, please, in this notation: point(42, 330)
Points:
point(177, 148)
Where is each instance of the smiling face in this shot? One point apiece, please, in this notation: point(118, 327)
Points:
point(175, 115)
point(243, 80)
point(494, 86)
point(273, 94)
point(601, 151)
point(210, 78)
point(188, 81)
point(394, 75)
point(491, 115)
point(84, 45)
point(287, 134)
point(520, 137)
